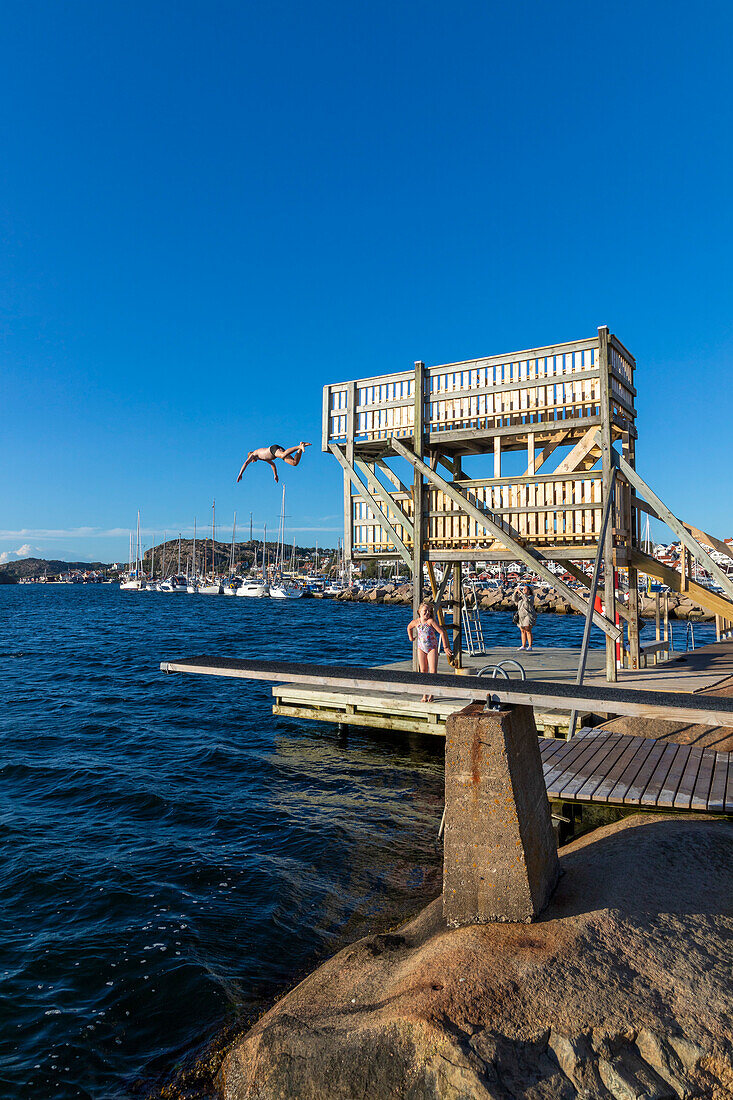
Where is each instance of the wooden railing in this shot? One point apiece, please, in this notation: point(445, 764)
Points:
point(542, 386)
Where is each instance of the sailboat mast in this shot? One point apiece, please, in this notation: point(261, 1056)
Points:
point(213, 538)
point(194, 546)
point(231, 555)
point(179, 553)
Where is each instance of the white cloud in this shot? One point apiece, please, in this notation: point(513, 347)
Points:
point(26, 550)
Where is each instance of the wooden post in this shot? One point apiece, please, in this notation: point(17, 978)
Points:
point(457, 593)
point(684, 558)
point(348, 505)
point(633, 626)
point(418, 499)
point(607, 462)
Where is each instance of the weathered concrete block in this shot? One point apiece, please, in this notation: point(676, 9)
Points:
point(500, 857)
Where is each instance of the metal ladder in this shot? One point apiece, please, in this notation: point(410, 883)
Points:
point(473, 635)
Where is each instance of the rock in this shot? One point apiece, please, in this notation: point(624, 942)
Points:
point(621, 990)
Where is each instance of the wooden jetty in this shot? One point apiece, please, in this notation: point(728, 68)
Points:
point(596, 766)
point(557, 425)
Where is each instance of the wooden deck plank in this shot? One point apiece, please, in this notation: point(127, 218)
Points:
point(549, 747)
point(656, 781)
point(699, 800)
point(591, 777)
point(687, 782)
point(716, 800)
point(576, 751)
point(613, 770)
point(626, 780)
point(667, 795)
point(572, 779)
point(637, 788)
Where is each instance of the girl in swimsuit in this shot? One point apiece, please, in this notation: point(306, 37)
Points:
point(291, 455)
point(428, 632)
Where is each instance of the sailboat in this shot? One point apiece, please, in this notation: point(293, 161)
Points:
point(229, 587)
point(212, 587)
point(134, 580)
point(253, 588)
point(192, 585)
point(282, 590)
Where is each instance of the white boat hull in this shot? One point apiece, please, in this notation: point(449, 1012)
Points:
point(253, 591)
point(209, 589)
point(285, 592)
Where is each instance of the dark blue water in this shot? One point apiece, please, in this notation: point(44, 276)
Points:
point(172, 855)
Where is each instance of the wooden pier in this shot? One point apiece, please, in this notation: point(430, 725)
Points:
point(597, 766)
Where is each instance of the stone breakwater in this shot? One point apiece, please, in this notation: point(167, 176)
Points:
point(495, 599)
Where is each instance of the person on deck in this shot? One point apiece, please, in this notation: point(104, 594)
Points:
point(428, 633)
point(291, 455)
point(526, 615)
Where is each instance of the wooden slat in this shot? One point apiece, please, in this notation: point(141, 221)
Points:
point(674, 777)
point(683, 797)
point(617, 768)
point(626, 780)
point(729, 786)
point(699, 800)
point(575, 774)
point(549, 747)
point(656, 782)
point(574, 753)
point(716, 800)
point(584, 787)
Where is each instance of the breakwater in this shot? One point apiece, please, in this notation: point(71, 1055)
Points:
point(546, 601)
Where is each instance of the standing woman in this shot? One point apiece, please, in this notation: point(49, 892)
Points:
point(526, 615)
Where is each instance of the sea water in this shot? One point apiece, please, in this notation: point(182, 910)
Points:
point(173, 856)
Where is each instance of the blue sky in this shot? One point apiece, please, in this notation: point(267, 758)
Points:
point(210, 210)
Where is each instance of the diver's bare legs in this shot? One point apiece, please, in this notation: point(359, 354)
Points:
point(293, 455)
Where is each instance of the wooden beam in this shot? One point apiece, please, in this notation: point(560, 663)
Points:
point(541, 459)
point(582, 576)
point(676, 525)
point(418, 498)
point(580, 452)
point(711, 601)
point(381, 519)
point(526, 554)
point(703, 536)
point(607, 453)
point(376, 487)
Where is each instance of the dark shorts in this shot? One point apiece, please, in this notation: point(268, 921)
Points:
point(274, 448)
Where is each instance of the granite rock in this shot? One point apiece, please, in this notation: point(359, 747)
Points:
point(621, 990)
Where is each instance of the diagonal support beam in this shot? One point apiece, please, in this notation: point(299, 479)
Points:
point(527, 554)
point(378, 513)
point(580, 451)
point(674, 524)
point(711, 601)
point(376, 487)
point(543, 456)
point(392, 476)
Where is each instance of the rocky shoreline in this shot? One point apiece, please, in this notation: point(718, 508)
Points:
point(549, 603)
point(620, 991)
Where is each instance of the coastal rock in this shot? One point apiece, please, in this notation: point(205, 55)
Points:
point(620, 990)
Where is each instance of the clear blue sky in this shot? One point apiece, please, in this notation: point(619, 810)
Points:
point(210, 210)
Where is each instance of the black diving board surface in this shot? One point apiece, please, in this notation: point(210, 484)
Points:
point(599, 766)
point(606, 698)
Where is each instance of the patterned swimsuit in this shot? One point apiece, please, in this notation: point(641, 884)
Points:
point(427, 637)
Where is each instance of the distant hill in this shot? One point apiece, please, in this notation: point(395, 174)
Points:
point(12, 571)
point(166, 555)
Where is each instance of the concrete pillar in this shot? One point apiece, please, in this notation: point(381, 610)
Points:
point(500, 857)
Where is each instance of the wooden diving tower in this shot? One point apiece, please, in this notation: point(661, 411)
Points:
point(557, 427)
